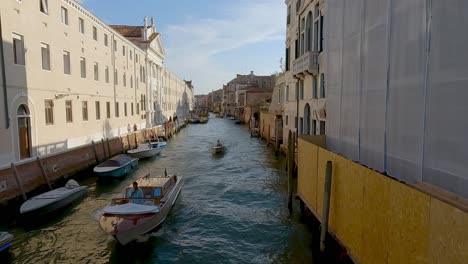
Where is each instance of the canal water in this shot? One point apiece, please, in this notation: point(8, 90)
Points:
point(232, 209)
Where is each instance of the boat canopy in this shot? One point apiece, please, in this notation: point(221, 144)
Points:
point(116, 161)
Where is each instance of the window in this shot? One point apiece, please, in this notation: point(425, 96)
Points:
point(287, 119)
point(289, 15)
point(116, 109)
point(301, 89)
point(131, 81)
point(322, 127)
point(18, 49)
point(136, 57)
point(107, 74)
point(83, 67)
point(314, 87)
point(94, 33)
point(66, 62)
point(124, 80)
point(44, 6)
point(81, 25)
point(321, 35)
point(279, 95)
point(131, 108)
point(49, 112)
point(316, 27)
point(64, 13)
point(322, 85)
point(296, 95)
point(116, 78)
point(108, 109)
point(287, 60)
point(115, 45)
point(137, 108)
point(98, 110)
point(287, 93)
point(123, 50)
point(131, 56)
point(125, 109)
point(84, 105)
point(314, 127)
point(45, 51)
point(69, 111)
point(96, 71)
point(106, 40)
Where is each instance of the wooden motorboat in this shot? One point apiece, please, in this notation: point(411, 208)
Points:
point(218, 149)
point(145, 150)
point(219, 116)
point(232, 118)
point(5, 240)
point(117, 166)
point(128, 218)
point(203, 120)
point(54, 200)
point(158, 142)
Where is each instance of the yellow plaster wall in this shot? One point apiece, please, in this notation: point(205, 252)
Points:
point(378, 219)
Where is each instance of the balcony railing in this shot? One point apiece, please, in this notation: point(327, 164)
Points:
point(306, 64)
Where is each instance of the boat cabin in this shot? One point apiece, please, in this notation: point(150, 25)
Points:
point(154, 190)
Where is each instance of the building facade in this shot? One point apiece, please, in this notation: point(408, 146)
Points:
point(305, 68)
point(68, 78)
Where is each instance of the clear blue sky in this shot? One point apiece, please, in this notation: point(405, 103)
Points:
point(208, 41)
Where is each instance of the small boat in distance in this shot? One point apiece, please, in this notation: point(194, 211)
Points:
point(5, 240)
point(54, 200)
point(219, 116)
point(203, 120)
point(232, 118)
point(145, 150)
point(128, 218)
point(116, 166)
point(218, 149)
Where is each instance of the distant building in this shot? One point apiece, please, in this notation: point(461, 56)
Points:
point(68, 78)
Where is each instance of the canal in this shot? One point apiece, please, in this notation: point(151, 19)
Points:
point(232, 209)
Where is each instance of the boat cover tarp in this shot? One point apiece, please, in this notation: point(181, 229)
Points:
point(131, 209)
point(116, 161)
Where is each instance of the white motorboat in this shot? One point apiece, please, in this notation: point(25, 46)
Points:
point(5, 240)
point(145, 150)
point(128, 218)
point(54, 200)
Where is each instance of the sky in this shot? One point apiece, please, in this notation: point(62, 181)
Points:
point(208, 41)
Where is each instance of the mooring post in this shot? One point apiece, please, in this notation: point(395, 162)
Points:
point(128, 141)
point(44, 173)
point(290, 171)
point(269, 135)
point(95, 152)
point(19, 183)
point(326, 205)
point(122, 145)
point(103, 148)
point(136, 140)
point(108, 148)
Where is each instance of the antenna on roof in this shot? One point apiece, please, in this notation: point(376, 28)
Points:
point(165, 172)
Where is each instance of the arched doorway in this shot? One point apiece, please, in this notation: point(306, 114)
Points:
point(306, 126)
point(24, 131)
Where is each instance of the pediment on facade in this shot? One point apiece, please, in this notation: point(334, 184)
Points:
point(156, 44)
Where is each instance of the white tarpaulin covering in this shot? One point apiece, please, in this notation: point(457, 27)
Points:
point(398, 87)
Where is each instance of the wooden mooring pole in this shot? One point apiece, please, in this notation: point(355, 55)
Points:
point(44, 173)
point(19, 183)
point(103, 148)
point(95, 152)
point(108, 148)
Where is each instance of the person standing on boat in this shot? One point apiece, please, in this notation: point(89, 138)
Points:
point(135, 193)
point(219, 143)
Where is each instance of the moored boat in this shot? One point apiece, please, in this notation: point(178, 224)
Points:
point(219, 149)
point(54, 200)
point(203, 120)
point(219, 116)
point(5, 240)
point(128, 218)
point(145, 150)
point(116, 166)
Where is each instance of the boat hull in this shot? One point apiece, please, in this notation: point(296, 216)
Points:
point(217, 150)
point(144, 223)
point(145, 154)
point(118, 171)
point(5, 240)
point(57, 205)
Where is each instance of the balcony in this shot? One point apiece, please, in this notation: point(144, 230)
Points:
point(306, 64)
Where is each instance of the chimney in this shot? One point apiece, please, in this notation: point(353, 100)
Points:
point(152, 21)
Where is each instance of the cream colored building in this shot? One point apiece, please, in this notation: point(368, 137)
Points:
point(306, 67)
point(67, 78)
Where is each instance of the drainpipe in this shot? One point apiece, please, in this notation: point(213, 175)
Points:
point(326, 205)
point(5, 93)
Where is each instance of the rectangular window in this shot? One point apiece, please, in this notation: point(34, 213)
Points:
point(131, 56)
point(49, 112)
point(288, 19)
point(64, 13)
point(123, 50)
point(115, 45)
point(124, 80)
point(131, 108)
point(321, 35)
point(106, 40)
point(81, 25)
point(137, 108)
point(45, 51)
point(125, 109)
point(69, 111)
point(95, 33)
point(301, 89)
point(322, 127)
point(44, 6)
point(314, 127)
point(287, 119)
point(116, 78)
point(322, 85)
point(18, 49)
point(314, 87)
point(108, 109)
point(287, 93)
point(98, 110)
point(136, 57)
point(66, 62)
point(131, 81)
point(287, 60)
point(84, 105)
point(96, 71)
point(296, 96)
point(107, 74)
point(117, 109)
point(83, 67)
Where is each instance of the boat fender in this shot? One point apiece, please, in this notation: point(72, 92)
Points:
point(72, 184)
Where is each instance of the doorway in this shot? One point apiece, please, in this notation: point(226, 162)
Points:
point(24, 131)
